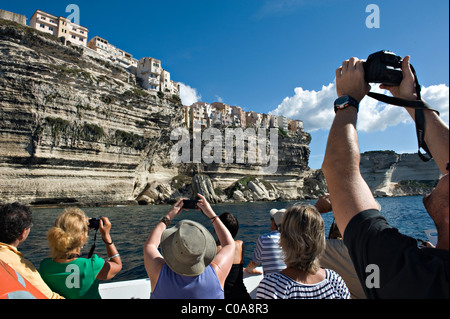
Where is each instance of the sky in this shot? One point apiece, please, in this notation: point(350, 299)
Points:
point(279, 56)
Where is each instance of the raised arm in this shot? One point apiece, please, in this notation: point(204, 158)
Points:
point(436, 131)
point(153, 260)
point(114, 264)
point(349, 193)
point(224, 259)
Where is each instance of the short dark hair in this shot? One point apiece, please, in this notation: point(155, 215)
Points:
point(230, 222)
point(14, 219)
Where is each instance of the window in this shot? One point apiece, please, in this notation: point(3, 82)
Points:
point(42, 26)
point(74, 37)
point(81, 39)
point(50, 28)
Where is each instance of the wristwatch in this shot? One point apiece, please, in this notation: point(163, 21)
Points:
point(165, 220)
point(345, 101)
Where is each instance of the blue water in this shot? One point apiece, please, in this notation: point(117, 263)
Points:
point(132, 224)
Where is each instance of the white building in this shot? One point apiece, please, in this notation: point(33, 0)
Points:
point(153, 77)
point(59, 27)
point(111, 52)
point(149, 70)
point(283, 123)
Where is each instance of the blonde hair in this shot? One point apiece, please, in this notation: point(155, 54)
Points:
point(302, 237)
point(69, 232)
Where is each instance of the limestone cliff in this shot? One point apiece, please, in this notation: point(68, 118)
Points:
point(221, 182)
point(78, 130)
point(391, 174)
point(74, 129)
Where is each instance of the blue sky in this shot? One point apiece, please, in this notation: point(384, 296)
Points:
point(278, 56)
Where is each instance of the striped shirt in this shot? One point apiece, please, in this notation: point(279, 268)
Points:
point(280, 286)
point(268, 253)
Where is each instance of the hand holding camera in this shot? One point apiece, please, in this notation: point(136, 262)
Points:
point(103, 224)
point(407, 88)
point(396, 75)
point(350, 80)
point(205, 207)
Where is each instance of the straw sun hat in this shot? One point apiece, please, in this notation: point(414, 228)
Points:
point(188, 248)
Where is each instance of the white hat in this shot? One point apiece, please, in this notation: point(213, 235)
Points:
point(277, 215)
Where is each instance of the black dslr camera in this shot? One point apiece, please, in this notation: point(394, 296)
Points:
point(94, 223)
point(383, 67)
point(190, 204)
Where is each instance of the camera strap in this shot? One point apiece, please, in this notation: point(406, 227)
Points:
point(419, 105)
point(91, 252)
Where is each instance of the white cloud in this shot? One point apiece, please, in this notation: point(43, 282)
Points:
point(188, 95)
point(219, 99)
point(437, 96)
point(315, 108)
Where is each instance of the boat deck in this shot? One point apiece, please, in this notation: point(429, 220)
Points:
point(140, 288)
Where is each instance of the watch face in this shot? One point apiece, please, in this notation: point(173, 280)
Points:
point(340, 102)
point(345, 101)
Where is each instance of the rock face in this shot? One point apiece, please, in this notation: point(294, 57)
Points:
point(391, 174)
point(74, 129)
point(77, 130)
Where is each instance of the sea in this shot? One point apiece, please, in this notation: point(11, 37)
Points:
point(131, 226)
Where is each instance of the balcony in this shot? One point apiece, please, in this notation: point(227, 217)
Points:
point(77, 33)
point(156, 70)
point(47, 21)
point(153, 81)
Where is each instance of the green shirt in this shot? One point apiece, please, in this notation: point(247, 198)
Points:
point(73, 280)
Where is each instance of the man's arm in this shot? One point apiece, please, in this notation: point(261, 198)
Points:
point(349, 193)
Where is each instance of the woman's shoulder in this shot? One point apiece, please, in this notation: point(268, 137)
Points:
point(332, 276)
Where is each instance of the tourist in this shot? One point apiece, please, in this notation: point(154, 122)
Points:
point(234, 284)
point(336, 256)
point(389, 264)
point(66, 272)
point(15, 226)
point(189, 266)
point(268, 251)
point(302, 240)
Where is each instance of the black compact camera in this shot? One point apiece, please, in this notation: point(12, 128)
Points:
point(190, 204)
point(383, 67)
point(94, 223)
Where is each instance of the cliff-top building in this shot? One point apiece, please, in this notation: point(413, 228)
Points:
point(154, 78)
point(111, 52)
point(59, 27)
